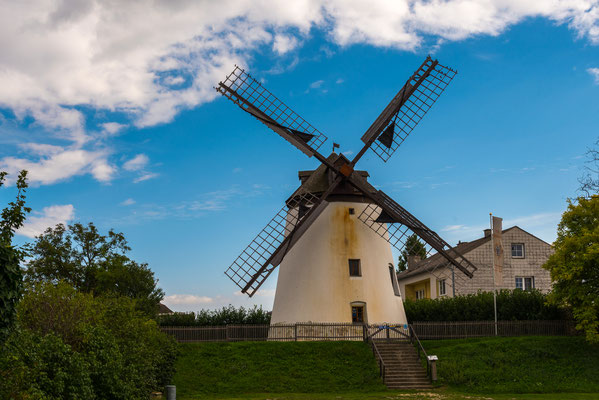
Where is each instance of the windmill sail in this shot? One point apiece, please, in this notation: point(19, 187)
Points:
point(383, 215)
point(245, 91)
point(259, 259)
point(395, 224)
point(407, 108)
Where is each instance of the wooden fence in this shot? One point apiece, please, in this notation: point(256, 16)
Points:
point(282, 333)
point(472, 329)
point(330, 332)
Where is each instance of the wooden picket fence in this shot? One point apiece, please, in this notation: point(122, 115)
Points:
point(335, 332)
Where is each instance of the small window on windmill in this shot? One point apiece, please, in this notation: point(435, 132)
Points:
point(357, 314)
point(352, 211)
point(354, 267)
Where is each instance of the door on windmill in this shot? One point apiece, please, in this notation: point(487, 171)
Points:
point(357, 314)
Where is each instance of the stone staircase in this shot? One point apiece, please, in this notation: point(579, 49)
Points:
point(403, 369)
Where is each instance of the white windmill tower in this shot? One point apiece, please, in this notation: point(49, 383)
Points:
point(332, 238)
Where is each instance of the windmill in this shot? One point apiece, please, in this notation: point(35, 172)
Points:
point(332, 236)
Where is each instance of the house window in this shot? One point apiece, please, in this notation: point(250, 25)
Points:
point(420, 294)
point(357, 314)
point(525, 282)
point(354, 268)
point(442, 288)
point(394, 280)
point(517, 250)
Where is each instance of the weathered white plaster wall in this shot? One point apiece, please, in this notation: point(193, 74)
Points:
point(314, 283)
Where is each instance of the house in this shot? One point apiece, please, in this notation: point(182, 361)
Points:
point(164, 310)
point(519, 266)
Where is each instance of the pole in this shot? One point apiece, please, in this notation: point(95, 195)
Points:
point(493, 272)
point(453, 280)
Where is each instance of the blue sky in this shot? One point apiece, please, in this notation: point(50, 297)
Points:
point(118, 123)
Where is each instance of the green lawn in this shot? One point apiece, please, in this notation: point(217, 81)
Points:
point(275, 367)
point(530, 364)
point(491, 368)
point(394, 395)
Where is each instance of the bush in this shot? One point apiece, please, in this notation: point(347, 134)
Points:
point(512, 305)
point(101, 343)
point(43, 367)
point(225, 316)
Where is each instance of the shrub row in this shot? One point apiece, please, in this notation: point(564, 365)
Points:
point(225, 316)
point(512, 305)
point(72, 345)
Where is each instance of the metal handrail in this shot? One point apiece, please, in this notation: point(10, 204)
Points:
point(420, 348)
point(375, 351)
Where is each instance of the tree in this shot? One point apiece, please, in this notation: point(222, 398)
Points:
point(11, 277)
point(413, 247)
point(589, 182)
point(73, 345)
point(574, 266)
point(92, 263)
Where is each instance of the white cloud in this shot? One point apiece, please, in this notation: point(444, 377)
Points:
point(451, 228)
point(174, 80)
point(54, 164)
point(103, 56)
point(187, 299)
point(191, 302)
point(284, 43)
point(102, 171)
point(136, 163)
point(41, 149)
point(128, 202)
point(112, 128)
point(145, 177)
point(48, 217)
point(594, 73)
point(317, 84)
point(339, 81)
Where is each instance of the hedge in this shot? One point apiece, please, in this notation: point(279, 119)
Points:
point(512, 305)
point(225, 316)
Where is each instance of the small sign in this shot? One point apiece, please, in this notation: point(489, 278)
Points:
point(433, 358)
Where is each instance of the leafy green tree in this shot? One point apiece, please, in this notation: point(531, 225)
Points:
point(73, 345)
point(413, 247)
point(11, 277)
point(92, 263)
point(574, 266)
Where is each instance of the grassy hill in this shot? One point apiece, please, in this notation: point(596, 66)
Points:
point(347, 370)
point(275, 367)
point(530, 364)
